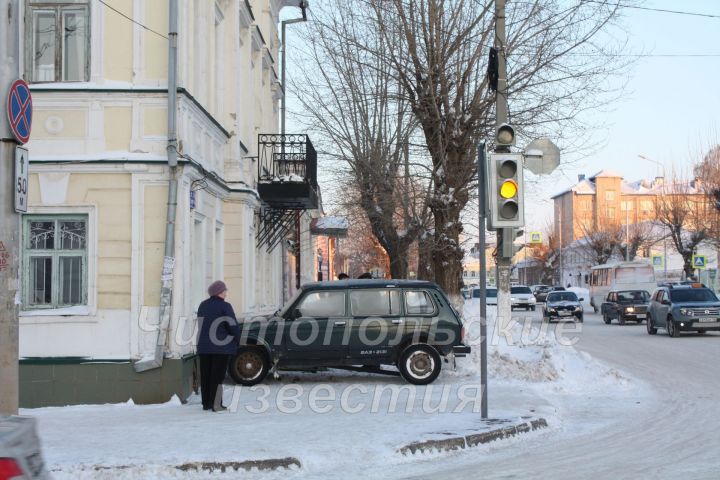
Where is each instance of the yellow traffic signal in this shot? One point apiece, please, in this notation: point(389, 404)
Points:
point(508, 189)
point(505, 195)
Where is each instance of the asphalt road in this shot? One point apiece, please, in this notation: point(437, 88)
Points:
point(673, 433)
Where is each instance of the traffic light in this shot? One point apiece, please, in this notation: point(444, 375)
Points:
point(505, 136)
point(505, 190)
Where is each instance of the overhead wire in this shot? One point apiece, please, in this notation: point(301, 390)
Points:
point(133, 20)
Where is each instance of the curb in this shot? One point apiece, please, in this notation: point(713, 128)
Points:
point(247, 465)
point(460, 443)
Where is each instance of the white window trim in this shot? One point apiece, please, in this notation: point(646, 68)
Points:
point(66, 314)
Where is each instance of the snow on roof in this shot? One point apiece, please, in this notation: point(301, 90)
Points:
point(606, 174)
point(583, 187)
point(331, 226)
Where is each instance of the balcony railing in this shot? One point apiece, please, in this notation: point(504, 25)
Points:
point(287, 171)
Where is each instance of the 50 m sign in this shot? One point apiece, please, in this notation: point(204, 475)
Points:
point(21, 179)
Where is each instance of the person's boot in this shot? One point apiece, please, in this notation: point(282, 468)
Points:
point(217, 405)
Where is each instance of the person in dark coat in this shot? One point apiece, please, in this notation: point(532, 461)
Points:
point(217, 341)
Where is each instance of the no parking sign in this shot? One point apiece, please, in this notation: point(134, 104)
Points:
point(19, 110)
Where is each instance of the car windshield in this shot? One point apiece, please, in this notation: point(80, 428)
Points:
point(283, 311)
point(633, 296)
point(520, 290)
point(562, 297)
point(692, 295)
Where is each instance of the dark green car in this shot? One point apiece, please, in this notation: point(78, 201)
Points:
point(355, 325)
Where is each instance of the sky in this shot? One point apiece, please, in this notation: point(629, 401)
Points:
point(670, 111)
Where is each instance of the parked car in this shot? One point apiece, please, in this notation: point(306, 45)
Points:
point(678, 308)
point(20, 454)
point(541, 292)
point(522, 297)
point(563, 306)
point(354, 325)
point(490, 295)
point(625, 305)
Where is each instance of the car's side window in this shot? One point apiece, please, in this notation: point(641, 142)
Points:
point(380, 302)
point(323, 304)
point(418, 302)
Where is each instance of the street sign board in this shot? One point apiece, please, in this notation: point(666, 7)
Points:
point(542, 156)
point(658, 260)
point(21, 179)
point(535, 237)
point(699, 261)
point(19, 110)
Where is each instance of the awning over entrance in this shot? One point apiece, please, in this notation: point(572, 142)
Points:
point(330, 226)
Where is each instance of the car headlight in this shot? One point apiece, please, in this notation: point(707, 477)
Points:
point(630, 309)
point(551, 310)
point(684, 311)
point(532, 299)
point(578, 309)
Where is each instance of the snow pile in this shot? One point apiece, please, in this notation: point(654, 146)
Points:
point(525, 352)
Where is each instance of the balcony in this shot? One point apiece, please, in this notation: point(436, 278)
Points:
point(287, 172)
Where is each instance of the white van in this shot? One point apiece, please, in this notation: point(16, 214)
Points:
point(620, 276)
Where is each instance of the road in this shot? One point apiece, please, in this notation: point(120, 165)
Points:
point(671, 434)
point(675, 436)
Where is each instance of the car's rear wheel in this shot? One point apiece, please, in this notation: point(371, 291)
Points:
point(419, 364)
point(672, 329)
point(249, 366)
point(650, 329)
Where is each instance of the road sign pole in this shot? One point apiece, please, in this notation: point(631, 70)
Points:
point(9, 218)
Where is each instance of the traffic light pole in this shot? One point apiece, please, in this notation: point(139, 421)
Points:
point(9, 219)
point(504, 264)
point(483, 280)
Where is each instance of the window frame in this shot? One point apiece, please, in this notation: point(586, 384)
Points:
point(58, 7)
point(390, 291)
point(55, 254)
point(428, 295)
point(344, 293)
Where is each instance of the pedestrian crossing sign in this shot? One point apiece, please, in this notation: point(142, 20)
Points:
point(535, 237)
point(658, 260)
point(699, 261)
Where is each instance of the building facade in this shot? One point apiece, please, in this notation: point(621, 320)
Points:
point(94, 267)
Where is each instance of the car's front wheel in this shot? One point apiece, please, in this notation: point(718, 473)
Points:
point(672, 329)
point(249, 366)
point(621, 319)
point(606, 319)
point(419, 364)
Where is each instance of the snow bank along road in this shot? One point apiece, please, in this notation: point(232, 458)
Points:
point(675, 433)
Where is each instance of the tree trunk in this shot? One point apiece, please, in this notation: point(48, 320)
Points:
point(447, 254)
point(425, 255)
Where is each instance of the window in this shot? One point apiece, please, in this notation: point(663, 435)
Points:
point(646, 206)
point(323, 304)
point(610, 212)
point(57, 41)
point(55, 259)
point(626, 206)
point(418, 303)
point(610, 195)
point(367, 303)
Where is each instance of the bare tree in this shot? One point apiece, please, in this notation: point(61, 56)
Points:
point(547, 255)
point(685, 212)
point(352, 98)
point(639, 236)
point(556, 72)
point(600, 241)
point(708, 173)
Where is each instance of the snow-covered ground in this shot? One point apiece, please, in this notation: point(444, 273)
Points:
point(338, 421)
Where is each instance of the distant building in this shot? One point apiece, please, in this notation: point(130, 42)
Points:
point(606, 199)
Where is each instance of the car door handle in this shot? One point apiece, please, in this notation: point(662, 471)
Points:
point(397, 321)
point(340, 324)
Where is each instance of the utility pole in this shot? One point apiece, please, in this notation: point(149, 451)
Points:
point(9, 218)
point(483, 281)
point(504, 263)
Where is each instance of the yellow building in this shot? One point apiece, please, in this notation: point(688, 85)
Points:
point(95, 232)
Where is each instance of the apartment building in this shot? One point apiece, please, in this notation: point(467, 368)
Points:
point(105, 314)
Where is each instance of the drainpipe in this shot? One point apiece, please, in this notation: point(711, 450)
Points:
point(155, 360)
point(303, 6)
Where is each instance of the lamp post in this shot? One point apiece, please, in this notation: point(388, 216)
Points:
point(664, 226)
